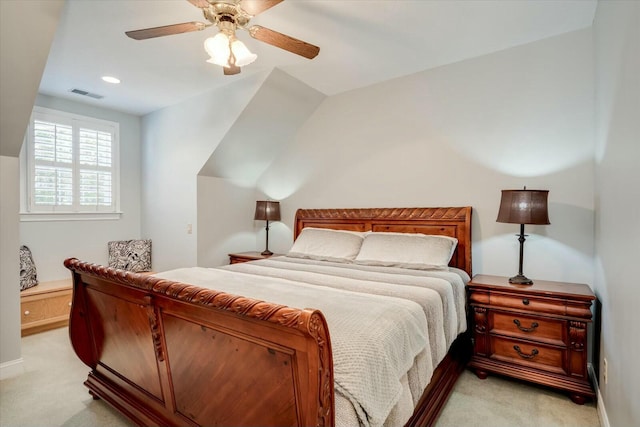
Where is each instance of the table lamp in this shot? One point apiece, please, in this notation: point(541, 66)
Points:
point(523, 207)
point(267, 211)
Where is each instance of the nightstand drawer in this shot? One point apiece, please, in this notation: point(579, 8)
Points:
point(517, 325)
point(533, 304)
point(538, 356)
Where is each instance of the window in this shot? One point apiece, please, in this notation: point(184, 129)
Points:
point(72, 164)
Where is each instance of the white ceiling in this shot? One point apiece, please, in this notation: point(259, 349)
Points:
point(361, 43)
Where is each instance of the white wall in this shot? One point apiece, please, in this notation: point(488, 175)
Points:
point(225, 220)
point(10, 361)
point(267, 124)
point(617, 50)
point(457, 135)
point(20, 72)
point(24, 56)
point(177, 142)
point(53, 241)
point(226, 185)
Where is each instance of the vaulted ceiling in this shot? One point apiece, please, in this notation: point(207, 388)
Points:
point(361, 42)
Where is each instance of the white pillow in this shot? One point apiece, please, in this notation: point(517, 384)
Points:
point(453, 240)
point(327, 245)
point(407, 250)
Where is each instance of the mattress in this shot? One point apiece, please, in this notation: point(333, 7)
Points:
point(389, 327)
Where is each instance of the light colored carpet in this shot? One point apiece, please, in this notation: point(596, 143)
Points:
point(503, 402)
point(51, 393)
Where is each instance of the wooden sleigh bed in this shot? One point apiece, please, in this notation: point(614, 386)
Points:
point(165, 353)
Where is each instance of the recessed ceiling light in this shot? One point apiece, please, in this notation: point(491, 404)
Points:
point(110, 79)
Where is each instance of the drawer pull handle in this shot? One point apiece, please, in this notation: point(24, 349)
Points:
point(533, 354)
point(525, 301)
point(27, 312)
point(533, 327)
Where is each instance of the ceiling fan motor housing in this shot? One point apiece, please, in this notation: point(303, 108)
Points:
point(221, 11)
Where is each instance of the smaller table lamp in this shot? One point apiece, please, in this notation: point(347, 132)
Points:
point(523, 207)
point(267, 211)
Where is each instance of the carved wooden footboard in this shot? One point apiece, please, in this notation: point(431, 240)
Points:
point(167, 353)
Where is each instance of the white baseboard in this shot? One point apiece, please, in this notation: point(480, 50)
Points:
point(11, 368)
point(602, 412)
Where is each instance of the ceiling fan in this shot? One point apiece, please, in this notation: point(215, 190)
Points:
point(228, 15)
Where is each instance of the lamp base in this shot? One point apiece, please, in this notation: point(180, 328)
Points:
point(520, 280)
point(266, 253)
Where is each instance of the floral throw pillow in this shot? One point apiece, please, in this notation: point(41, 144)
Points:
point(28, 276)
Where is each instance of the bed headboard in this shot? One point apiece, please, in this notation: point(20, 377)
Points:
point(453, 222)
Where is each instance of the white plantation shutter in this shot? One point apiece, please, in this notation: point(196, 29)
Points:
point(53, 186)
point(95, 168)
point(52, 152)
point(73, 163)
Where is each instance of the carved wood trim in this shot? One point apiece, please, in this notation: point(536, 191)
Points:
point(407, 214)
point(577, 335)
point(480, 319)
point(318, 329)
point(155, 328)
point(577, 349)
point(248, 307)
point(480, 328)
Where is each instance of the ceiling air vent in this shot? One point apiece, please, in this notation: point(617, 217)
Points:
point(86, 93)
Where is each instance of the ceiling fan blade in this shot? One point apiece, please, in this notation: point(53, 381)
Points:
point(283, 41)
point(254, 7)
point(199, 3)
point(231, 70)
point(167, 30)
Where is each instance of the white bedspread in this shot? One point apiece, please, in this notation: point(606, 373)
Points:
point(397, 327)
point(440, 293)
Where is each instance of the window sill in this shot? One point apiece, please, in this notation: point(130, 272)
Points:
point(69, 216)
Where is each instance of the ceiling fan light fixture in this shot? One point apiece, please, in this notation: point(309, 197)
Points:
point(242, 54)
point(230, 15)
point(218, 49)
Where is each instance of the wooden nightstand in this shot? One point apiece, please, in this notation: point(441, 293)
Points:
point(536, 332)
point(247, 256)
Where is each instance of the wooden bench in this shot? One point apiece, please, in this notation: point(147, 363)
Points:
point(45, 306)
